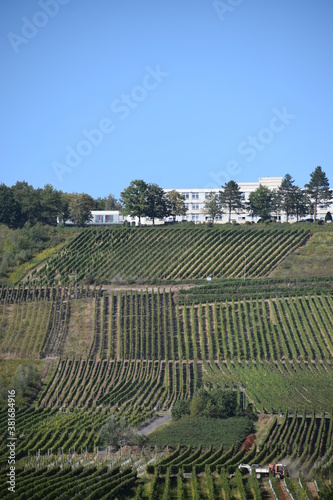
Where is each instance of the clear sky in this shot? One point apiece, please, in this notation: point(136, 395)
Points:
point(183, 93)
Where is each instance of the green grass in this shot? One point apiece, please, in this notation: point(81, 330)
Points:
point(22, 270)
point(193, 431)
point(313, 259)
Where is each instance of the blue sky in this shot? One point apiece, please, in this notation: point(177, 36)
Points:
point(187, 93)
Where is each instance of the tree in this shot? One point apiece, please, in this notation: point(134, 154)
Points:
point(50, 204)
point(212, 205)
point(157, 203)
point(180, 408)
point(176, 203)
point(9, 208)
point(286, 201)
point(231, 197)
point(318, 190)
point(301, 202)
point(116, 432)
point(109, 202)
point(260, 202)
point(134, 199)
point(328, 217)
point(29, 201)
point(79, 208)
point(64, 209)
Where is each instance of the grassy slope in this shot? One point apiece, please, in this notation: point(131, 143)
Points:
point(28, 248)
point(315, 258)
point(197, 430)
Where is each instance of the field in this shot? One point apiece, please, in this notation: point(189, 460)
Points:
point(133, 353)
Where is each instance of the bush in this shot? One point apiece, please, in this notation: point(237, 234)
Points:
point(180, 409)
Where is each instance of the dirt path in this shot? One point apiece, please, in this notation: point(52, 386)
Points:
point(312, 489)
point(283, 491)
point(266, 491)
point(160, 420)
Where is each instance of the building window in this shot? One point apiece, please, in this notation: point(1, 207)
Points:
point(195, 207)
point(187, 206)
point(195, 196)
point(195, 217)
point(187, 196)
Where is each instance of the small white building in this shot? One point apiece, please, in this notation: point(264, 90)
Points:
point(106, 218)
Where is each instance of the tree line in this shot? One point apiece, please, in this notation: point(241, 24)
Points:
point(263, 202)
point(22, 203)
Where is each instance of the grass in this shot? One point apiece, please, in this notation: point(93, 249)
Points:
point(80, 330)
point(313, 259)
point(193, 431)
point(22, 270)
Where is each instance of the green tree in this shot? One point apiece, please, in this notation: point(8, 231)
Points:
point(318, 190)
point(29, 201)
point(109, 202)
point(231, 198)
point(116, 432)
point(212, 205)
point(157, 203)
point(286, 199)
point(260, 202)
point(9, 208)
point(199, 403)
point(134, 199)
point(50, 204)
point(180, 408)
point(301, 202)
point(328, 217)
point(79, 208)
point(176, 203)
point(64, 208)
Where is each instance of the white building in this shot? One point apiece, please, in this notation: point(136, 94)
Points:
point(195, 200)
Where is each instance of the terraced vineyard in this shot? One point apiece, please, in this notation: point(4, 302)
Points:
point(133, 353)
point(171, 253)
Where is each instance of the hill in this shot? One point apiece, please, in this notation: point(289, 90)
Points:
point(155, 254)
point(102, 352)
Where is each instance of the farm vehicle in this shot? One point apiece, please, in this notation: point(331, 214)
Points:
point(277, 470)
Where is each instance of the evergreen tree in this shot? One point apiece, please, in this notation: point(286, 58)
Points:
point(231, 197)
point(301, 202)
point(318, 190)
point(286, 201)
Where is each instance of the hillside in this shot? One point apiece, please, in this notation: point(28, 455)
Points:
point(152, 254)
point(313, 259)
point(103, 352)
